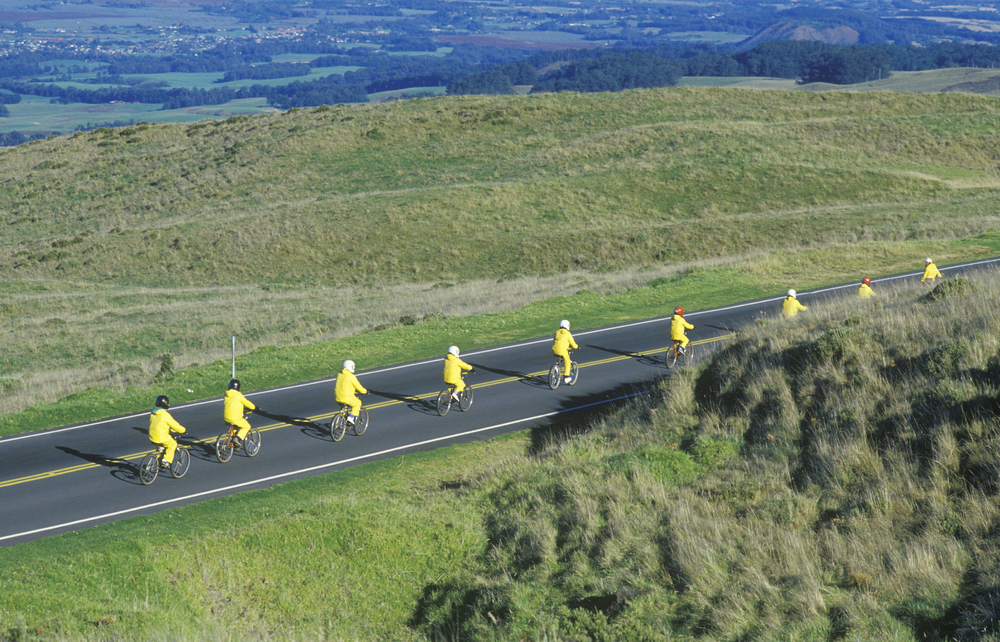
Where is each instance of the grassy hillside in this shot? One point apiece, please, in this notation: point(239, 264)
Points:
point(830, 478)
point(133, 252)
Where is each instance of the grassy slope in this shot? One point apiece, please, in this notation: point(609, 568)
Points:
point(829, 478)
point(927, 158)
point(252, 226)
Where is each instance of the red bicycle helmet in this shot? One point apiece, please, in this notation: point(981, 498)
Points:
point(679, 310)
point(866, 281)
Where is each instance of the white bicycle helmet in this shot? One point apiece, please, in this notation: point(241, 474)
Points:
point(349, 366)
point(791, 293)
point(928, 260)
point(453, 350)
point(564, 324)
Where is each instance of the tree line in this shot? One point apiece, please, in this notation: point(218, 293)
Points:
point(804, 61)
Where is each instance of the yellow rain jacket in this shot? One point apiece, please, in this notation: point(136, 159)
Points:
point(677, 327)
point(561, 343)
point(865, 291)
point(161, 424)
point(347, 388)
point(930, 273)
point(791, 307)
point(232, 411)
point(453, 367)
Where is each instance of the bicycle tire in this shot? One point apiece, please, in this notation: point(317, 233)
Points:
point(338, 427)
point(444, 402)
point(688, 355)
point(224, 447)
point(251, 445)
point(182, 461)
point(465, 399)
point(574, 372)
point(149, 468)
point(555, 376)
point(671, 357)
point(361, 423)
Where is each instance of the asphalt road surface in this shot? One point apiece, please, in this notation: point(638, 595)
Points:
point(74, 477)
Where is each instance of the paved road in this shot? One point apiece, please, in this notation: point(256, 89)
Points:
point(76, 476)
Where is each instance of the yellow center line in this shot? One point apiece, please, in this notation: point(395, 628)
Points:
point(381, 404)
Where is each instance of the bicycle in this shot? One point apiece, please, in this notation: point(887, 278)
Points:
point(225, 445)
point(150, 465)
point(338, 426)
point(445, 399)
point(675, 351)
point(556, 372)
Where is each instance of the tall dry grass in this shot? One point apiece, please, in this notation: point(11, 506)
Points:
point(830, 477)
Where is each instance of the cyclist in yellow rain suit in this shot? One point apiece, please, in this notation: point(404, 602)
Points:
point(791, 306)
point(161, 424)
point(232, 411)
point(453, 368)
point(347, 388)
point(865, 291)
point(930, 272)
point(561, 344)
point(677, 327)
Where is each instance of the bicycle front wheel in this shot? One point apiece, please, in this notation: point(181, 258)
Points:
point(224, 447)
point(251, 445)
point(361, 423)
point(182, 461)
point(574, 372)
point(688, 355)
point(149, 468)
point(444, 402)
point(338, 427)
point(555, 376)
point(465, 399)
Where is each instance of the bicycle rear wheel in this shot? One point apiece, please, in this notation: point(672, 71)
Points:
point(338, 427)
point(574, 372)
point(465, 399)
point(182, 461)
point(251, 445)
point(671, 356)
point(224, 447)
point(149, 468)
point(361, 423)
point(444, 402)
point(555, 376)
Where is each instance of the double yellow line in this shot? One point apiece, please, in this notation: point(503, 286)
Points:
point(381, 404)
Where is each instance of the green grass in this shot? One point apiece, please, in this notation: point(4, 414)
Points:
point(828, 477)
point(252, 226)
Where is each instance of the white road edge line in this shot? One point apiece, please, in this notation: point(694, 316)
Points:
point(304, 471)
point(634, 324)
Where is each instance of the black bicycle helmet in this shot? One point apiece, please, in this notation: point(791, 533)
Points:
point(163, 402)
point(234, 384)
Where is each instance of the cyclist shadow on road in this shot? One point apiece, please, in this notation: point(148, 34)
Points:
point(306, 426)
point(427, 406)
point(196, 446)
point(120, 468)
point(539, 381)
point(651, 359)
